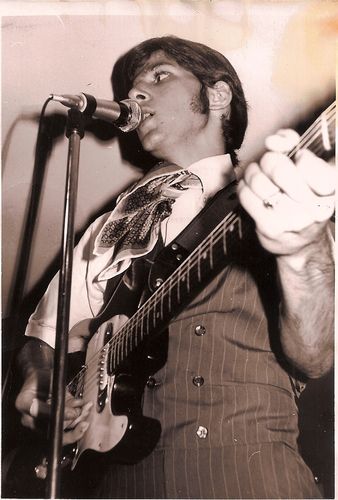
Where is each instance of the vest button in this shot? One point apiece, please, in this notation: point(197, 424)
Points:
point(200, 330)
point(158, 282)
point(202, 432)
point(198, 381)
point(151, 383)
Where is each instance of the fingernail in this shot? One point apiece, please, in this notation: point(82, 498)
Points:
point(84, 426)
point(34, 408)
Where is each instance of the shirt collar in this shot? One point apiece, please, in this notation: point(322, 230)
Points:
point(215, 172)
point(220, 165)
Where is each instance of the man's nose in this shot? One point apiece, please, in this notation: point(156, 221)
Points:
point(138, 93)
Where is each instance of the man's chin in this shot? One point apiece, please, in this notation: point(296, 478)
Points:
point(153, 145)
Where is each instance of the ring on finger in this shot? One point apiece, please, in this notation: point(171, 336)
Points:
point(272, 200)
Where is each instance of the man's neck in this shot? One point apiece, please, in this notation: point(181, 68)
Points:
point(191, 153)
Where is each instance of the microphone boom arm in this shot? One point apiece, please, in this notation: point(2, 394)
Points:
point(126, 114)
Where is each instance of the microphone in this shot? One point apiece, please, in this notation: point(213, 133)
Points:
point(126, 114)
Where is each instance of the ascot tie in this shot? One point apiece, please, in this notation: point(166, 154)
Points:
point(133, 227)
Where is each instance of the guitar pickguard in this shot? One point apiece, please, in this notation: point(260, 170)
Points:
point(116, 423)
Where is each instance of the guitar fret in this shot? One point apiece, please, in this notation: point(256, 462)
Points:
point(117, 354)
point(211, 257)
point(154, 314)
point(130, 336)
point(120, 342)
point(240, 228)
point(199, 265)
point(147, 322)
point(178, 294)
point(169, 296)
point(125, 345)
point(188, 276)
point(325, 133)
point(120, 350)
point(136, 339)
point(320, 137)
point(224, 240)
point(141, 334)
point(317, 146)
point(161, 302)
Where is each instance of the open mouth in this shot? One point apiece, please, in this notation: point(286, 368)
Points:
point(146, 116)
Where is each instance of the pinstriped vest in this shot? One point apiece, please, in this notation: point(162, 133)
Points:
point(225, 381)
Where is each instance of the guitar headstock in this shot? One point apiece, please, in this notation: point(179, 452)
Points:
point(320, 136)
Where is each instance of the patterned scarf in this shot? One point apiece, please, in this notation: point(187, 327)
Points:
point(133, 227)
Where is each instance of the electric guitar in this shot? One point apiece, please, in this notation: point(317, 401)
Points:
point(109, 379)
point(102, 375)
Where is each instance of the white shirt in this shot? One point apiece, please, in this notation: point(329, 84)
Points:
point(91, 271)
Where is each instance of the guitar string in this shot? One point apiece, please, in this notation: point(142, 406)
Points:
point(310, 140)
point(328, 114)
point(139, 315)
point(135, 319)
point(304, 143)
point(119, 345)
point(118, 339)
point(121, 335)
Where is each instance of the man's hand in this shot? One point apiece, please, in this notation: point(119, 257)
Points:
point(290, 202)
point(33, 400)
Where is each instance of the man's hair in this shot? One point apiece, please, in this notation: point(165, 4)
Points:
point(208, 65)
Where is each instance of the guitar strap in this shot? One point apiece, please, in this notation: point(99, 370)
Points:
point(208, 218)
point(125, 292)
point(168, 259)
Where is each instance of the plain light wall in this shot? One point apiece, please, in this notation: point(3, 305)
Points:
point(283, 51)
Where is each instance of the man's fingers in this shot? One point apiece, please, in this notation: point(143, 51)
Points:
point(75, 434)
point(79, 417)
point(258, 182)
point(320, 176)
point(28, 421)
point(283, 141)
point(287, 177)
point(39, 408)
point(310, 183)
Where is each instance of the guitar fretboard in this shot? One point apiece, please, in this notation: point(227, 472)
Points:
point(203, 263)
point(188, 279)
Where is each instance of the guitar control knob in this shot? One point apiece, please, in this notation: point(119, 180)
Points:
point(151, 383)
point(41, 469)
point(158, 282)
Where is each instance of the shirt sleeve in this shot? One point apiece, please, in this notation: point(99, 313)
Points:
point(42, 323)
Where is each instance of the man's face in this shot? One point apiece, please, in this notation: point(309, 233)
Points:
point(169, 97)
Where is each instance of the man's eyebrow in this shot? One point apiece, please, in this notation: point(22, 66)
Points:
point(148, 68)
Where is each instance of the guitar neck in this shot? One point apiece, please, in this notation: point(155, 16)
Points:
point(178, 290)
point(320, 137)
point(205, 262)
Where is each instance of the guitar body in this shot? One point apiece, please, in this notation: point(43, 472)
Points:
point(116, 424)
point(124, 351)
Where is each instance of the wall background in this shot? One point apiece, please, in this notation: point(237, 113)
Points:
point(283, 50)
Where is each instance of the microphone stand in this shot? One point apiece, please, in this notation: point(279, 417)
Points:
point(74, 132)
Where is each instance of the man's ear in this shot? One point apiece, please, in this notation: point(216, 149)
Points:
point(220, 96)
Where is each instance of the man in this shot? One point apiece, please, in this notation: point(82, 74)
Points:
point(237, 356)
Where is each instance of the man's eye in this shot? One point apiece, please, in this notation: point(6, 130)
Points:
point(160, 75)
